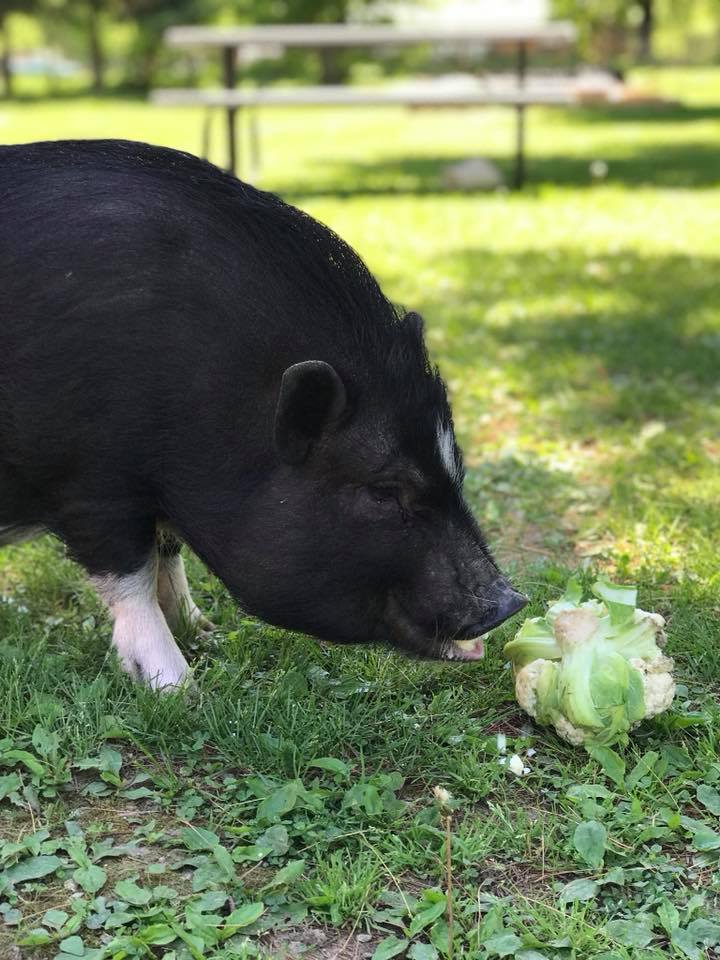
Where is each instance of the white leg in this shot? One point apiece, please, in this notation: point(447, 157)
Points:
point(174, 596)
point(141, 635)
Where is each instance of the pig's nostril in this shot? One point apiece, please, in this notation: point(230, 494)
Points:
point(508, 603)
point(511, 602)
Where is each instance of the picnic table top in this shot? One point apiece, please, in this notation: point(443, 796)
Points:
point(418, 95)
point(555, 33)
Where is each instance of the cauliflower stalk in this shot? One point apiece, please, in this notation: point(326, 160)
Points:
point(592, 669)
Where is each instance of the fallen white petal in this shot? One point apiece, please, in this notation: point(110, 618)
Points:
point(516, 765)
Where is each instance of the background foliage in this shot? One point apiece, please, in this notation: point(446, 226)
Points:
point(118, 41)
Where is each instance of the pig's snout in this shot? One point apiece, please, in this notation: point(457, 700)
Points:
point(505, 602)
point(444, 615)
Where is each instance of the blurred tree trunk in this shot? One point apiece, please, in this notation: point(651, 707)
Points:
point(5, 68)
point(645, 29)
point(331, 70)
point(334, 65)
point(146, 66)
point(97, 54)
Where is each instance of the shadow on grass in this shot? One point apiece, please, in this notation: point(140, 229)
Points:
point(648, 113)
point(638, 337)
point(690, 164)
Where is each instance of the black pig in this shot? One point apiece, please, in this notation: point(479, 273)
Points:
point(187, 358)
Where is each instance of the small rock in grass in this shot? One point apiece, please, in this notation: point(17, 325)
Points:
point(475, 173)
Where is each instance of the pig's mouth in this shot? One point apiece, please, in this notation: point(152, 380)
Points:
point(472, 649)
point(470, 645)
point(466, 643)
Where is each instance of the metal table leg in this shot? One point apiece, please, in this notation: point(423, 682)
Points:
point(229, 54)
point(254, 142)
point(519, 176)
point(206, 141)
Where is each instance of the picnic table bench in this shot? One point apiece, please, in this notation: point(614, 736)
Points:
point(230, 40)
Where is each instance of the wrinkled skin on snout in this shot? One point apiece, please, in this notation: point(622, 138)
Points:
point(361, 533)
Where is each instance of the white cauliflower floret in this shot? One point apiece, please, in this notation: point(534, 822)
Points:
point(526, 681)
point(560, 606)
point(659, 682)
point(567, 731)
point(575, 627)
point(639, 615)
point(526, 686)
point(658, 622)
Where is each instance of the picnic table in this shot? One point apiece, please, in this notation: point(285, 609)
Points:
point(230, 40)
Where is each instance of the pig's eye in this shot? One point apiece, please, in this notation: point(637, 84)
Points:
point(382, 502)
point(384, 494)
point(377, 501)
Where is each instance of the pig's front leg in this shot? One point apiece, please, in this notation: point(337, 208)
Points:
point(173, 590)
point(141, 635)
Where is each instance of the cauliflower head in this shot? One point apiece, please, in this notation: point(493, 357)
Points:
point(594, 669)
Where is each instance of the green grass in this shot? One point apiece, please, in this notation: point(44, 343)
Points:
point(578, 326)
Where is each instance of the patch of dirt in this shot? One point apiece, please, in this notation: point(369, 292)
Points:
point(527, 879)
point(8, 948)
point(513, 725)
point(12, 823)
point(311, 942)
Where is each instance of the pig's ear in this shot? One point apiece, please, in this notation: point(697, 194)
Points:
point(312, 395)
point(415, 322)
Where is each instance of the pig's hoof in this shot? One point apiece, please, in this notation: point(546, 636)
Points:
point(152, 656)
point(169, 683)
point(165, 678)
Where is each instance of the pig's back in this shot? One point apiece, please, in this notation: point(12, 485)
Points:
point(116, 233)
point(142, 288)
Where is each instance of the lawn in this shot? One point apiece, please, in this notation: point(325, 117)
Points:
point(288, 805)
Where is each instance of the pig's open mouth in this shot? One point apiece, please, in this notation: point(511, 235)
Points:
point(466, 643)
point(470, 645)
point(473, 649)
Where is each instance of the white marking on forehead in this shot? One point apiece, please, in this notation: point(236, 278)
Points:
point(446, 449)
